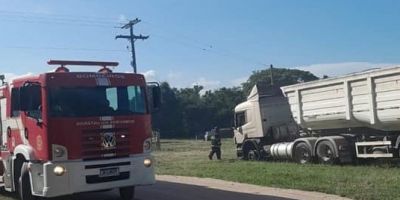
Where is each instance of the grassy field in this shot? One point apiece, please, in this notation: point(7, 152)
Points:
point(189, 158)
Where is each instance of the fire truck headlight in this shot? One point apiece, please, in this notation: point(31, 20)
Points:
point(59, 152)
point(147, 146)
point(147, 162)
point(59, 170)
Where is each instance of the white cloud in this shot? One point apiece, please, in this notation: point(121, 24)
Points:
point(11, 76)
point(122, 18)
point(150, 75)
point(207, 84)
point(238, 81)
point(337, 69)
point(174, 75)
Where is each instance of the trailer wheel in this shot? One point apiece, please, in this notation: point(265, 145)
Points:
point(24, 190)
point(302, 153)
point(326, 153)
point(127, 193)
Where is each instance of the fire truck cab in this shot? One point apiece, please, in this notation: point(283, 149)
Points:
point(68, 132)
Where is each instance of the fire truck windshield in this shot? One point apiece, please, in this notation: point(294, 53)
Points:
point(96, 101)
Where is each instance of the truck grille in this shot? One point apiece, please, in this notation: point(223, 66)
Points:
point(105, 143)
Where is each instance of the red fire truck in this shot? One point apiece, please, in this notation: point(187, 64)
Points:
point(70, 132)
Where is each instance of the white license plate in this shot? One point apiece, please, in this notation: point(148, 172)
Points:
point(109, 172)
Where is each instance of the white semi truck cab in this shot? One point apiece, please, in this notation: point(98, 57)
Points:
point(330, 120)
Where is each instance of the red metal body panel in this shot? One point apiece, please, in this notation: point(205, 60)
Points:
point(82, 79)
point(37, 137)
point(5, 91)
point(14, 140)
point(80, 135)
point(37, 134)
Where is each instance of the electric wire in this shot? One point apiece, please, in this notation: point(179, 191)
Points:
point(63, 49)
point(102, 22)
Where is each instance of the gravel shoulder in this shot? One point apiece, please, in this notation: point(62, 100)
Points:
point(248, 188)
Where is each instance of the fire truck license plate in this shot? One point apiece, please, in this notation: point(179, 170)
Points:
point(109, 172)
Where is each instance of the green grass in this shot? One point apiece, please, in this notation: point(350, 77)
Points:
point(189, 158)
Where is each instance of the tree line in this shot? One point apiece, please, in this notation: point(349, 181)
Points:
point(187, 112)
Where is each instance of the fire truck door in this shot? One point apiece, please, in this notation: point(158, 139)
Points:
point(32, 117)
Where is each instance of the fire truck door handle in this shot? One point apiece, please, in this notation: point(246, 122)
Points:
point(26, 133)
point(8, 132)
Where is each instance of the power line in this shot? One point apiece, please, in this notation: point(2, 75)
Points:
point(92, 21)
point(56, 19)
point(132, 38)
point(57, 16)
point(185, 40)
point(58, 23)
point(62, 49)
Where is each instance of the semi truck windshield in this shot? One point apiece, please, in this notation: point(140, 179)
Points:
point(96, 101)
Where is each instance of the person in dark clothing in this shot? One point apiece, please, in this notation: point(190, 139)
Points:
point(215, 144)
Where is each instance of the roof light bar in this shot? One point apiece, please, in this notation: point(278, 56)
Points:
point(82, 63)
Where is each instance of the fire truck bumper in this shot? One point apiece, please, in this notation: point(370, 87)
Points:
point(53, 179)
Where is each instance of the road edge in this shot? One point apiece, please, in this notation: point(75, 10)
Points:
point(248, 188)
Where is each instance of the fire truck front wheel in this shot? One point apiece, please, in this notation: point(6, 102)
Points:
point(127, 193)
point(24, 189)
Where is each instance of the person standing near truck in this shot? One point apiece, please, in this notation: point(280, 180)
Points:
point(215, 144)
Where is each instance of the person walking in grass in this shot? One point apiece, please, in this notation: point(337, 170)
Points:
point(215, 144)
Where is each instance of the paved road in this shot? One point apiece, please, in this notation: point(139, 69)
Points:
point(174, 191)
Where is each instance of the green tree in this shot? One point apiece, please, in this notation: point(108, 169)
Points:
point(221, 103)
point(281, 77)
point(185, 112)
point(169, 120)
point(194, 113)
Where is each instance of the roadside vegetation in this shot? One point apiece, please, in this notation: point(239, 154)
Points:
point(189, 158)
point(192, 111)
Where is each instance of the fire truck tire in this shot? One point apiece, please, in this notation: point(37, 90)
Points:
point(127, 193)
point(25, 192)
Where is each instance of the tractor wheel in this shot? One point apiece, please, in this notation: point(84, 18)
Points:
point(326, 153)
point(302, 153)
point(250, 152)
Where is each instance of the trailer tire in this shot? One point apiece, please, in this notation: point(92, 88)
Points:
point(24, 183)
point(326, 153)
point(302, 153)
point(127, 193)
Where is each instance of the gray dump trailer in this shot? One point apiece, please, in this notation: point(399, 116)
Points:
point(330, 120)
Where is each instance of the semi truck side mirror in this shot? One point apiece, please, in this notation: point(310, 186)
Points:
point(154, 96)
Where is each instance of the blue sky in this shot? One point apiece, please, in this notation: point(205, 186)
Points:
point(214, 43)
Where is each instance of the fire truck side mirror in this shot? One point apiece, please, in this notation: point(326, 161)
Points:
point(154, 96)
point(30, 97)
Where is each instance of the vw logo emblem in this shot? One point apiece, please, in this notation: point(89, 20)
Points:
point(108, 140)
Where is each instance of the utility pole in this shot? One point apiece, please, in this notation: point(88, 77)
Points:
point(132, 38)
